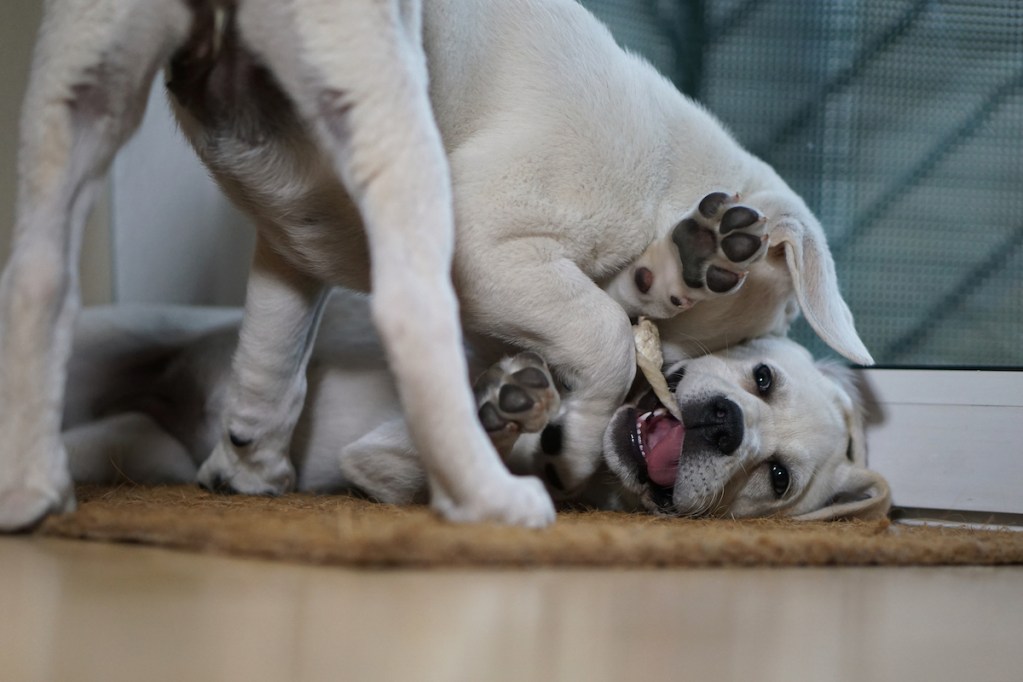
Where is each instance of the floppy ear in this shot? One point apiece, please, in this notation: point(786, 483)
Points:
point(856, 492)
point(850, 383)
point(859, 494)
point(813, 275)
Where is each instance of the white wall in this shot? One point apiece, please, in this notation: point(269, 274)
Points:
point(175, 238)
point(948, 439)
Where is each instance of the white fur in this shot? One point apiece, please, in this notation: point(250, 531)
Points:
point(569, 158)
point(351, 432)
point(810, 422)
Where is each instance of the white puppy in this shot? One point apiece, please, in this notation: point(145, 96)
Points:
point(765, 430)
point(571, 158)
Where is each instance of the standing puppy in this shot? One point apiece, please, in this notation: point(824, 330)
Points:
point(346, 178)
point(571, 158)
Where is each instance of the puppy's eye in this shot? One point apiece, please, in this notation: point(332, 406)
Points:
point(764, 378)
point(779, 478)
point(674, 377)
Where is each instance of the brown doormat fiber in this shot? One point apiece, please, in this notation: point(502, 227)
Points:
point(346, 531)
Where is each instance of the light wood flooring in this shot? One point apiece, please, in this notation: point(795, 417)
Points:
point(83, 611)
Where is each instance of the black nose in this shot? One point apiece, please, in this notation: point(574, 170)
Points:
point(721, 422)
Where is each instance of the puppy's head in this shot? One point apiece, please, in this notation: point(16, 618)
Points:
point(765, 432)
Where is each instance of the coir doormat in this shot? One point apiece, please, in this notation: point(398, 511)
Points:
point(347, 531)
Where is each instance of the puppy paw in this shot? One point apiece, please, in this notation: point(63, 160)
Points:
point(247, 469)
point(26, 500)
point(23, 508)
point(516, 395)
point(509, 500)
point(719, 242)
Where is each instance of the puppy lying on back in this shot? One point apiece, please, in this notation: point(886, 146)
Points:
point(766, 430)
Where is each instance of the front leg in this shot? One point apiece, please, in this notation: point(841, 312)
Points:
point(358, 78)
point(557, 310)
point(268, 382)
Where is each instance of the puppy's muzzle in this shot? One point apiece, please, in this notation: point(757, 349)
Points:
point(718, 422)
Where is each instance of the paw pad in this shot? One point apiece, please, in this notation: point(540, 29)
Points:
point(512, 398)
point(517, 394)
point(718, 242)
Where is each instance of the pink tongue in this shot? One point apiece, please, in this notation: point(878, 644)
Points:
point(663, 449)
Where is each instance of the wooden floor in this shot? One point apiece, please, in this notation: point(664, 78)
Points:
point(81, 611)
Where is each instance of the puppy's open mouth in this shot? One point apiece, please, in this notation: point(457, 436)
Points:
point(657, 439)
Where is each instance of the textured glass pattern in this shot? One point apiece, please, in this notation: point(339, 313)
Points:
point(901, 124)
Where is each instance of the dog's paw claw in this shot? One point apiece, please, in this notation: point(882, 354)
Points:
point(517, 394)
point(719, 242)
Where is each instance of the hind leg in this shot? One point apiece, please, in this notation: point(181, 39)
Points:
point(356, 72)
point(92, 67)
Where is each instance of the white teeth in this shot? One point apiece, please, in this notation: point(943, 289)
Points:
point(639, 434)
point(659, 412)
